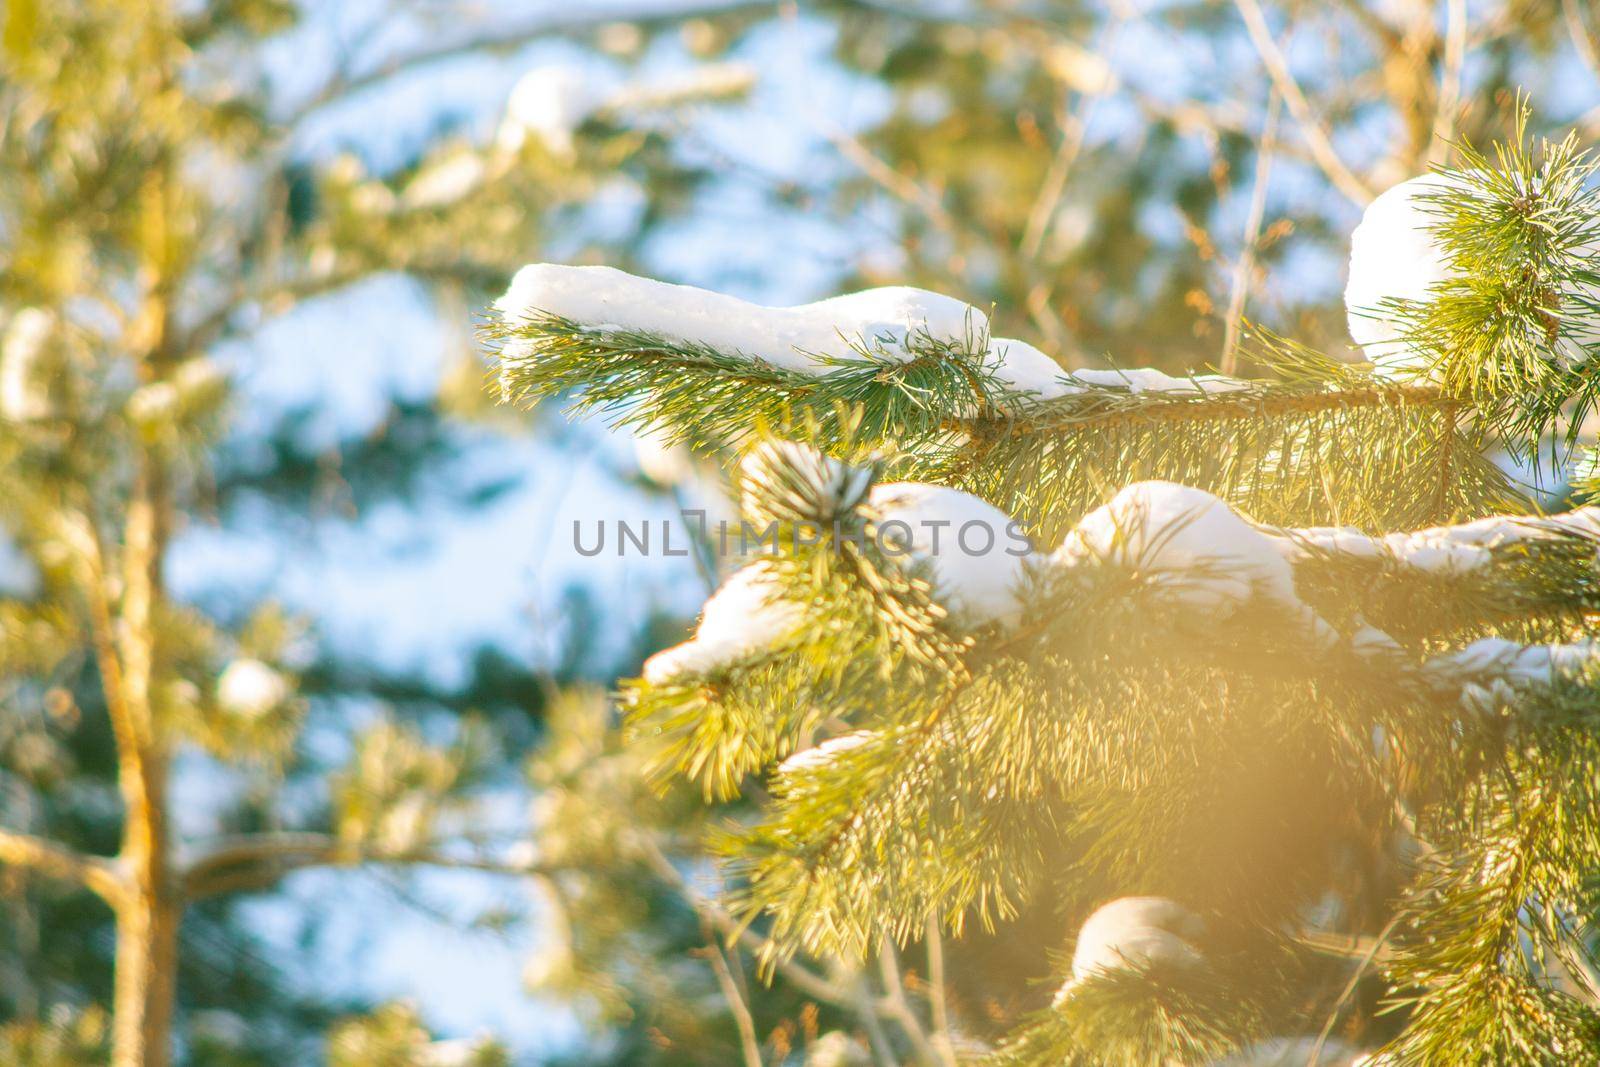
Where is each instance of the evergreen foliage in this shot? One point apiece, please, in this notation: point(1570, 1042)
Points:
point(1246, 717)
point(159, 210)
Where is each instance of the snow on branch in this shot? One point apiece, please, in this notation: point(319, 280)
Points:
point(1214, 560)
point(1133, 933)
point(746, 616)
point(1485, 279)
point(1201, 558)
point(1126, 634)
point(805, 339)
point(916, 377)
point(895, 324)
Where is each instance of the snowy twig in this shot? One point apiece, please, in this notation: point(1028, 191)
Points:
point(345, 85)
point(1316, 135)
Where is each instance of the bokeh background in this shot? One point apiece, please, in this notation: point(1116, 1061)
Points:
point(1122, 181)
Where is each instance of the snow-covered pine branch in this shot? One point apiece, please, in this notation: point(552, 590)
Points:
point(1157, 942)
point(550, 103)
point(887, 324)
point(917, 377)
point(747, 616)
point(1485, 278)
point(1199, 557)
point(1133, 933)
point(24, 383)
point(1182, 679)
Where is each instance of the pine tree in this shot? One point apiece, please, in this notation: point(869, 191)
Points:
point(156, 206)
point(1276, 690)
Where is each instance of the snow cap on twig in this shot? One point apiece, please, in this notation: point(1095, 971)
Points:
point(1213, 559)
point(1394, 256)
point(24, 389)
point(882, 322)
point(1149, 380)
point(747, 615)
point(551, 102)
point(249, 689)
point(1022, 368)
point(1134, 933)
point(976, 555)
point(1491, 660)
point(819, 756)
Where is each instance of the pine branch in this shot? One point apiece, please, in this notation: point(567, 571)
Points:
point(900, 1009)
point(1478, 996)
point(1509, 330)
point(748, 1045)
point(253, 862)
point(938, 770)
point(346, 84)
point(1146, 1016)
point(1044, 461)
point(37, 854)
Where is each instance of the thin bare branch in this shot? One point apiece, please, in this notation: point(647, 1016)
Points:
point(1581, 40)
point(900, 1008)
point(801, 977)
point(1455, 57)
point(125, 728)
point(1349, 990)
point(257, 861)
point(1074, 131)
point(1348, 948)
point(63, 864)
point(900, 186)
point(346, 84)
point(742, 1018)
point(1364, 12)
point(1245, 267)
point(938, 1002)
point(1316, 135)
point(865, 1003)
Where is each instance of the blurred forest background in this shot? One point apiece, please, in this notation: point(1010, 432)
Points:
point(290, 616)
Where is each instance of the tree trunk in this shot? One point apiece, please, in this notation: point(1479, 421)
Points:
point(147, 971)
point(147, 929)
